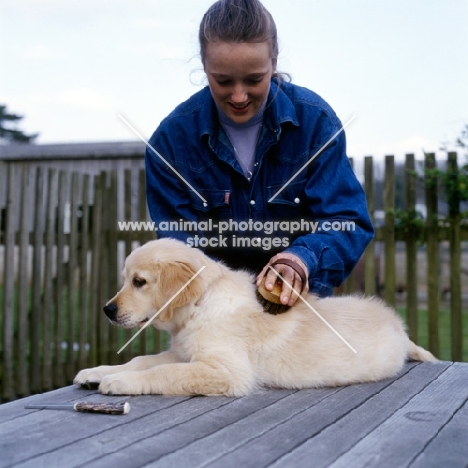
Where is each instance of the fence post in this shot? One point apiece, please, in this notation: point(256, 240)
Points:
point(369, 254)
point(61, 297)
point(38, 279)
point(389, 230)
point(432, 252)
point(73, 290)
point(23, 284)
point(455, 257)
point(95, 271)
point(8, 379)
point(411, 248)
point(84, 300)
point(48, 293)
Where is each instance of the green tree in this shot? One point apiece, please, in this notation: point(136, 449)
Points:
point(12, 135)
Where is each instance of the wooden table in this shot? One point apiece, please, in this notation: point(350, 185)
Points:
point(419, 419)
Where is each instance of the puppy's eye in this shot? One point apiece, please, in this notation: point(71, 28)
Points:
point(138, 282)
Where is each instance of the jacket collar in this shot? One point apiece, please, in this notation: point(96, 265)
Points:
point(279, 110)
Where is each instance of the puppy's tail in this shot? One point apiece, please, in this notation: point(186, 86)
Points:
point(416, 353)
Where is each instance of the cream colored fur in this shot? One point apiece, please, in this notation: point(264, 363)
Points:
point(223, 343)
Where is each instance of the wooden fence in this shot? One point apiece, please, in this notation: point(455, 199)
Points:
point(62, 254)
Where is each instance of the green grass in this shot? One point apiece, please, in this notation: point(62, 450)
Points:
point(445, 341)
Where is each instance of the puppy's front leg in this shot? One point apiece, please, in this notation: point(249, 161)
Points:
point(191, 378)
point(91, 378)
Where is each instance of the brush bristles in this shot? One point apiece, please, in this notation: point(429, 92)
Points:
point(270, 300)
point(271, 307)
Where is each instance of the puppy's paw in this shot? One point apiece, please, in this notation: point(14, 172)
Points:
point(122, 383)
point(89, 378)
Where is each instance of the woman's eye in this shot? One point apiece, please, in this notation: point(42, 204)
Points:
point(139, 282)
point(223, 83)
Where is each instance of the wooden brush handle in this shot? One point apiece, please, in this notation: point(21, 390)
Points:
point(106, 408)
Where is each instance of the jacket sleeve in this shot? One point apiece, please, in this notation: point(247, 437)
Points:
point(167, 194)
point(337, 205)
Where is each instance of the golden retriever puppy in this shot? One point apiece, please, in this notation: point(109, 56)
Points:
point(223, 343)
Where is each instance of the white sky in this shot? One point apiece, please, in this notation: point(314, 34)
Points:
point(401, 66)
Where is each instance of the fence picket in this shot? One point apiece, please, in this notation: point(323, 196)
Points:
point(432, 253)
point(37, 274)
point(72, 278)
point(455, 262)
point(389, 228)
point(58, 281)
point(23, 286)
point(369, 254)
point(84, 322)
point(48, 304)
point(8, 288)
point(411, 249)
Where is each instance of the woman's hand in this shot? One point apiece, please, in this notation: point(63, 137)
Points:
point(288, 296)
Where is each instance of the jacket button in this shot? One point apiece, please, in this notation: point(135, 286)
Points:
point(296, 200)
point(252, 202)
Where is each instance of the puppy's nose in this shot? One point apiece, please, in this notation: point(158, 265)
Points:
point(111, 311)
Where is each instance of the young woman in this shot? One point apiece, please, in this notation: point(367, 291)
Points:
point(253, 169)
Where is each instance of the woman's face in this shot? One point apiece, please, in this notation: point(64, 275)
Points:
point(239, 76)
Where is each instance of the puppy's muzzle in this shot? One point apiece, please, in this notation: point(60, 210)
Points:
point(111, 311)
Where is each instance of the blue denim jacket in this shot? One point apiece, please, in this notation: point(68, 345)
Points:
point(243, 223)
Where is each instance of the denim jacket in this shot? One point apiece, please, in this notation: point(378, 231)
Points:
point(197, 192)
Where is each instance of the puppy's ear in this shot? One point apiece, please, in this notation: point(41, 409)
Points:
point(173, 277)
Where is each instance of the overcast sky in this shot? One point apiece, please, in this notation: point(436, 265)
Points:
point(401, 66)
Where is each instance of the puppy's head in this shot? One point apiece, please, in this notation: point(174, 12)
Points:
point(155, 282)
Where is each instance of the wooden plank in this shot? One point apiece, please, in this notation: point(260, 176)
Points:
point(411, 249)
point(133, 445)
point(48, 302)
point(431, 189)
point(370, 282)
point(403, 436)
point(287, 435)
point(448, 447)
point(72, 283)
point(37, 278)
point(456, 305)
point(8, 378)
point(23, 286)
point(389, 230)
point(92, 436)
point(254, 426)
point(357, 424)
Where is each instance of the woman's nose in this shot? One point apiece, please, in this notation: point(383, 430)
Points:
point(239, 95)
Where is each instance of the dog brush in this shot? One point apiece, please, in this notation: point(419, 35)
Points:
point(271, 300)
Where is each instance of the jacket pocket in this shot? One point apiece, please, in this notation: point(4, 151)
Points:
point(292, 194)
point(215, 203)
